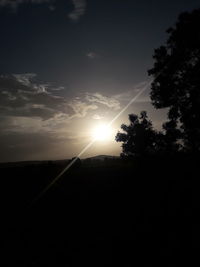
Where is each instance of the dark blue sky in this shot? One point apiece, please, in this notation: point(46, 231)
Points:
point(86, 47)
point(122, 32)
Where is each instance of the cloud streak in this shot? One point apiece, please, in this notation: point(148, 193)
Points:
point(79, 6)
point(81, 108)
point(92, 55)
point(78, 11)
point(14, 4)
point(97, 117)
point(22, 96)
point(110, 102)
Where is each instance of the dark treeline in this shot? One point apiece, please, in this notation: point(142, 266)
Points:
point(175, 86)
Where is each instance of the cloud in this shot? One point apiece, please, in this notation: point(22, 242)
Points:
point(97, 117)
point(52, 7)
point(110, 102)
point(21, 96)
point(79, 6)
point(35, 116)
point(79, 10)
point(92, 55)
point(81, 108)
point(15, 3)
point(25, 78)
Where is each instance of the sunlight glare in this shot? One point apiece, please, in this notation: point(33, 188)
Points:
point(102, 132)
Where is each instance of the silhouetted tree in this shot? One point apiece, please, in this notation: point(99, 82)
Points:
point(139, 137)
point(167, 140)
point(176, 82)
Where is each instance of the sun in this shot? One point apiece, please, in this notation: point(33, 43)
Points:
point(102, 132)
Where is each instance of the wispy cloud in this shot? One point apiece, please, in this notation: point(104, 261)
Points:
point(22, 96)
point(81, 108)
point(79, 6)
point(92, 55)
point(79, 10)
point(110, 102)
point(15, 3)
point(25, 78)
point(97, 117)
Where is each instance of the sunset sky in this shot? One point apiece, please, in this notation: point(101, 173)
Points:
point(68, 66)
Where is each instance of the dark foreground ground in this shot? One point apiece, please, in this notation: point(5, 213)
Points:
point(139, 213)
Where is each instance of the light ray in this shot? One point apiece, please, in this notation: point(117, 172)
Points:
point(63, 171)
point(90, 144)
point(129, 103)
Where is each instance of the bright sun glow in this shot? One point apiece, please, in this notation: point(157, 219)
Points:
point(102, 132)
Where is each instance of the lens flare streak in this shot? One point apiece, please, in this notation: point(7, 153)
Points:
point(91, 143)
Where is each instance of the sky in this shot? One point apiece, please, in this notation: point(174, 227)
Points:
point(68, 66)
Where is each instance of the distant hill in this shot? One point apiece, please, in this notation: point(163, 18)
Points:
point(32, 163)
point(102, 157)
point(45, 162)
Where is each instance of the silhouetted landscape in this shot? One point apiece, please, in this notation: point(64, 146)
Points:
point(135, 206)
point(104, 212)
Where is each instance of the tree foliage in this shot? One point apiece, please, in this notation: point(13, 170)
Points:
point(138, 138)
point(176, 84)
